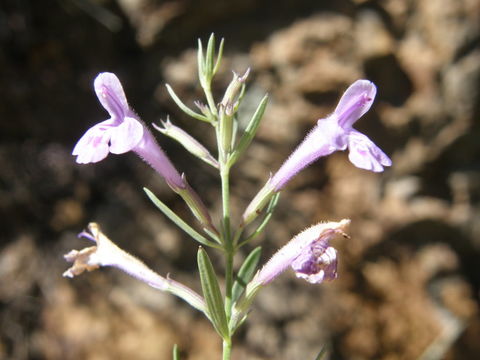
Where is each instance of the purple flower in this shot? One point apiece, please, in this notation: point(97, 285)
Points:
point(122, 132)
point(119, 134)
point(336, 133)
point(309, 254)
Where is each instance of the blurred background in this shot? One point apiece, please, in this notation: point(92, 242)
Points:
point(409, 277)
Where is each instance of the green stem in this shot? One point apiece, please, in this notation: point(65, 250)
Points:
point(227, 349)
point(228, 241)
point(228, 245)
point(207, 89)
point(229, 282)
point(225, 174)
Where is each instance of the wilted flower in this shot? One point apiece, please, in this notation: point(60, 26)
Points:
point(106, 253)
point(309, 254)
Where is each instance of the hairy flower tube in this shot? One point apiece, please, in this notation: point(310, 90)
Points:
point(124, 132)
point(334, 133)
point(106, 253)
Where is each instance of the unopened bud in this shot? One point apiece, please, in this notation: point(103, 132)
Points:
point(187, 141)
point(226, 127)
point(197, 207)
point(234, 88)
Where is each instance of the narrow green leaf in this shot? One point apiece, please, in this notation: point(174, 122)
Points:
point(211, 292)
point(175, 353)
point(250, 131)
point(200, 60)
point(184, 107)
point(268, 215)
point(178, 221)
point(219, 57)
point(210, 56)
point(246, 272)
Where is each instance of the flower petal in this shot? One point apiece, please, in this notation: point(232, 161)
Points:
point(364, 154)
point(110, 93)
point(315, 266)
point(355, 102)
point(93, 145)
point(126, 136)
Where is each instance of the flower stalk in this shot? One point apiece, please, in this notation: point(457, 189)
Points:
point(309, 254)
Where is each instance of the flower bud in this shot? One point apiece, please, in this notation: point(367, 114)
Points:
point(187, 141)
point(233, 89)
point(196, 206)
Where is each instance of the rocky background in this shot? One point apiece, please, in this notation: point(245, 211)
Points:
point(409, 277)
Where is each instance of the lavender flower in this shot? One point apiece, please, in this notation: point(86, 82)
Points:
point(329, 135)
point(123, 132)
point(336, 133)
point(308, 254)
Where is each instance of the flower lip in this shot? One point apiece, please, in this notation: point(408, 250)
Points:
point(355, 102)
point(364, 154)
point(114, 108)
point(119, 134)
point(110, 93)
point(318, 266)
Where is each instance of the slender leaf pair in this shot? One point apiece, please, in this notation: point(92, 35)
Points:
point(212, 294)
